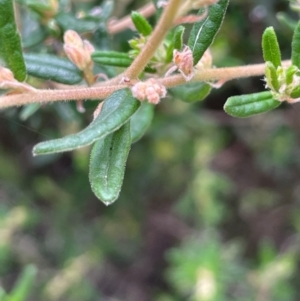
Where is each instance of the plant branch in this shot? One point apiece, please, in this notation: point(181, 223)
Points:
point(219, 74)
point(45, 96)
point(101, 92)
point(115, 26)
point(161, 29)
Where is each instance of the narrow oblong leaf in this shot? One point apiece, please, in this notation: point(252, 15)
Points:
point(52, 67)
point(29, 110)
point(141, 120)
point(178, 37)
point(112, 58)
point(68, 21)
point(289, 74)
point(191, 92)
point(270, 47)
point(271, 76)
point(24, 284)
point(117, 59)
point(286, 20)
point(141, 24)
point(296, 46)
point(38, 6)
point(204, 31)
point(250, 104)
point(296, 92)
point(176, 42)
point(10, 41)
point(107, 164)
point(116, 110)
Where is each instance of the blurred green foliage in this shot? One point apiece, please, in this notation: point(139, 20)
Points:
point(210, 207)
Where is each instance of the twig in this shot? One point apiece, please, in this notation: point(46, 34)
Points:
point(162, 27)
point(116, 26)
point(97, 93)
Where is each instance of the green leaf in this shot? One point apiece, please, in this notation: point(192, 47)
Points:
point(289, 74)
point(296, 92)
point(52, 67)
point(271, 76)
point(107, 164)
point(176, 42)
point(296, 46)
point(271, 51)
point(141, 120)
point(29, 110)
point(112, 58)
point(34, 37)
point(286, 20)
point(250, 104)
point(178, 37)
point(10, 41)
point(24, 284)
point(141, 24)
point(204, 31)
point(191, 92)
point(68, 21)
point(116, 110)
point(38, 7)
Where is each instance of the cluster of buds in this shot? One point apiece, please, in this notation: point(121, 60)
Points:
point(183, 62)
point(78, 51)
point(8, 82)
point(151, 90)
point(137, 44)
point(284, 82)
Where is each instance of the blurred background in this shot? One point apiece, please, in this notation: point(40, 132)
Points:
point(210, 206)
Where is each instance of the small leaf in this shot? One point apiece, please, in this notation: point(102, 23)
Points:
point(178, 37)
point(204, 32)
point(271, 76)
point(289, 74)
point(116, 110)
point(24, 284)
point(271, 51)
point(33, 37)
point(296, 92)
point(296, 46)
point(112, 58)
point(141, 120)
point(38, 7)
point(29, 110)
point(176, 42)
point(286, 20)
point(191, 92)
point(68, 21)
point(52, 67)
point(250, 104)
point(107, 164)
point(10, 41)
point(141, 24)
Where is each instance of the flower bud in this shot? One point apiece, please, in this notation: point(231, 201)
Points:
point(184, 61)
point(78, 51)
point(151, 90)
